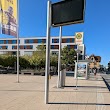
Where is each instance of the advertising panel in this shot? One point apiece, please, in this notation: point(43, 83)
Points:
point(9, 17)
point(81, 70)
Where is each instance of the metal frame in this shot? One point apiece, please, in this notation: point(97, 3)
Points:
point(47, 68)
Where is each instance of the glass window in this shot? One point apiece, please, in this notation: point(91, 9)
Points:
point(75, 46)
point(6, 47)
point(68, 40)
point(25, 47)
point(13, 47)
point(52, 46)
point(52, 40)
point(31, 41)
point(0, 47)
point(14, 53)
point(31, 46)
point(39, 40)
point(25, 41)
point(44, 40)
point(72, 40)
point(6, 41)
point(1, 41)
point(55, 40)
point(13, 41)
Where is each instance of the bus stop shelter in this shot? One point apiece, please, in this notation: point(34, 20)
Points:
point(82, 69)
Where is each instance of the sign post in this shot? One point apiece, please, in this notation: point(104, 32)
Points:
point(47, 68)
point(59, 14)
point(59, 59)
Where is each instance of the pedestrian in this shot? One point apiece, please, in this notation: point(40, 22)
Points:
point(94, 71)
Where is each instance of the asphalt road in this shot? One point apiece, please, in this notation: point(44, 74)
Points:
point(106, 78)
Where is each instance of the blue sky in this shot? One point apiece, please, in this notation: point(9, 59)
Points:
point(96, 27)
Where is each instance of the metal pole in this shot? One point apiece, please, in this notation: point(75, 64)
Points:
point(59, 58)
point(77, 71)
point(47, 68)
point(1, 13)
point(0, 17)
point(18, 41)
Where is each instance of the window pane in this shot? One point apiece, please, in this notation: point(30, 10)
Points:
point(39, 40)
point(75, 46)
point(55, 40)
point(52, 46)
point(25, 47)
point(72, 40)
point(31, 46)
point(6, 47)
point(68, 40)
point(12, 47)
point(1, 41)
point(6, 41)
point(31, 41)
point(13, 41)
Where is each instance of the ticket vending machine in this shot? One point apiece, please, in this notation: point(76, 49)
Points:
point(82, 69)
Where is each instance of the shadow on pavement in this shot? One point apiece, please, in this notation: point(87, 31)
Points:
point(87, 86)
point(78, 103)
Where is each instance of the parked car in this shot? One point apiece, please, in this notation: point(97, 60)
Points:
point(3, 70)
point(107, 72)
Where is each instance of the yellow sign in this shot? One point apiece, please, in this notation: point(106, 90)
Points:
point(78, 35)
point(9, 17)
point(79, 38)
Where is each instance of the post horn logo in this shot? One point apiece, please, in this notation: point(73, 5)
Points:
point(78, 35)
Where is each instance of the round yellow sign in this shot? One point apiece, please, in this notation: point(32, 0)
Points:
point(78, 35)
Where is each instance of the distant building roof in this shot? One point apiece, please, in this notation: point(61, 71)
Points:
point(97, 58)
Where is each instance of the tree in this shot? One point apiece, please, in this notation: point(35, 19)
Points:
point(68, 57)
point(1, 60)
point(54, 60)
point(24, 63)
point(38, 57)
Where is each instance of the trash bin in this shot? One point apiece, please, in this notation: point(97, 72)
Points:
point(62, 78)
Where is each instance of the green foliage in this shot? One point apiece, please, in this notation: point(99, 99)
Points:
point(68, 56)
point(38, 58)
point(7, 60)
point(54, 60)
point(24, 63)
point(1, 60)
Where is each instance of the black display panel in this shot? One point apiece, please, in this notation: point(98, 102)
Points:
point(67, 12)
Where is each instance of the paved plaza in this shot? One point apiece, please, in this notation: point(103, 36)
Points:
point(92, 94)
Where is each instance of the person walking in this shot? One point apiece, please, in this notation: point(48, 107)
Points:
point(95, 72)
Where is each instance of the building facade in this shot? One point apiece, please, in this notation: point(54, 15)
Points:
point(28, 45)
point(95, 62)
